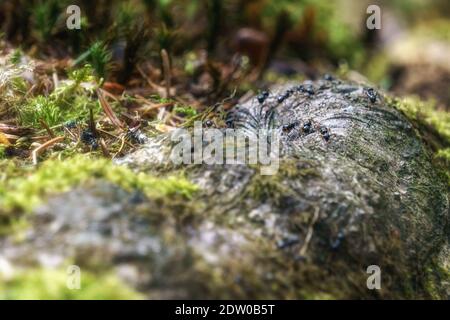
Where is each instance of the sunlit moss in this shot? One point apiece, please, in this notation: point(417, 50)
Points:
point(28, 190)
point(99, 56)
point(425, 112)
point(40, 108)
point(434, 125)
point(47, 284)
point(185, 110)
point(72, 100)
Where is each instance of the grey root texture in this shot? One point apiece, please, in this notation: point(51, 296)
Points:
point(356, 187)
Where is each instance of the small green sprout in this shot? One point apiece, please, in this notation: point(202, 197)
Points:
point(40, 108)
point(98, 56)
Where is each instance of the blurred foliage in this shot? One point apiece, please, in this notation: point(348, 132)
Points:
point(48, 284)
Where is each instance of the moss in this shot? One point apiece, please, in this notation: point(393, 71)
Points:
point(187, 111)
point(48, 284)
point(276, 187)
point(16, 56)
point(424, 113)
point(28, 190)
point(443, 156)
point(433, 124)
point(436, 274)
point(99, 56)
point(40, 108)
point(72, 99)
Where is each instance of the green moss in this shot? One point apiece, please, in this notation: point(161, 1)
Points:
point(99, 56)
point(425, 113)
point(40, 108)
point(28, 190)
point(72, 99)
point(187, 111)
point(443, 156)
point(433, 124)
point(37, 284)
point(276, 187)
point(16, 56)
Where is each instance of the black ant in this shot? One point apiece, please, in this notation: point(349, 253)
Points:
point(309, 90)
point(71, 124)
point(325, 133)
point(229, 120)
point(88, 138)
point(372, 95)
point(137, 135)
point(337, 243)
point(288, 127)
point(262, 96)
point(284, 96)
point(307, 127)
point(209, 123)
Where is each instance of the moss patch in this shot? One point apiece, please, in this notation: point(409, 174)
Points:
point(55, 176)
point(46, 284)
point(70, 101)
point(433, 125)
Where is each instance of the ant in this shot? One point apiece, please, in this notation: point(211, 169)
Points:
point(325, 133)
point(262, 96)
point(307, 127)
point(372, 95)
point(88, 138)
point(209, 123)
point(286, 95)
point(288, 127)
point(137, 135)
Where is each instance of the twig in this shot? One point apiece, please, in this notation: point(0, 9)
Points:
point(149, 81)
point(47, 128)
point(92, 123)
point(44, 146)
point(108, 110)
point(166, 71)
point(121, 147)
point(309, 233)
point(147, 109)
point(114, 136)
point(104, 148)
